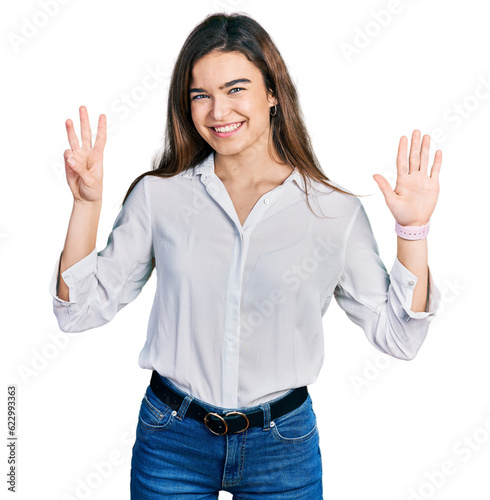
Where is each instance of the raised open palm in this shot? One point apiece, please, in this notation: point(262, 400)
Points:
point(415, 195)
point(83, 164)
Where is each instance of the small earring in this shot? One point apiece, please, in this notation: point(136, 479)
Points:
point(275, 110)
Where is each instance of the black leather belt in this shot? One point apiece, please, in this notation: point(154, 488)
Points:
point(232, 422)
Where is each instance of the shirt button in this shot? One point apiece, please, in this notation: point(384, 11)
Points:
point(66, 278)
point(266, 201)
point(411, 282)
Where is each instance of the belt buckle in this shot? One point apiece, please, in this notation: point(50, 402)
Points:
point(244, 416)
point(221, 418)
point(224, 422)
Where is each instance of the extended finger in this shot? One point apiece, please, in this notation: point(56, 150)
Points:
point(401, 159)
point(414, 162)
point(436, 167)
point(72, 136)
point(85, 127)
point(101, 133)
point(424, 154)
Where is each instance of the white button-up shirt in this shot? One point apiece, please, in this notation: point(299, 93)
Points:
point(237, 314)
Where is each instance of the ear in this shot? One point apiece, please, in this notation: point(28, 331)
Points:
point(271, 98)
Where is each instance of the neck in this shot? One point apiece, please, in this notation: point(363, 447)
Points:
point(249, 168)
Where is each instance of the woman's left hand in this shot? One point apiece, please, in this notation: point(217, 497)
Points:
point(415, 195)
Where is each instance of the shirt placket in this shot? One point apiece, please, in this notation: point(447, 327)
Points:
point(231, 346)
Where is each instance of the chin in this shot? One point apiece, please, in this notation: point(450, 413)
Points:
point(226, 149)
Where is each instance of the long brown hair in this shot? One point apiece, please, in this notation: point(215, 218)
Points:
point(185, 148)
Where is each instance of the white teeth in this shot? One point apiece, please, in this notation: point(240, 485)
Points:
point(228, 128)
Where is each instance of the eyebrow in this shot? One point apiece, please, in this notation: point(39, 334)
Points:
point(226, 85)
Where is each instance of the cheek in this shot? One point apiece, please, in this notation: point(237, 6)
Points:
point(197, 115)
point(254, 108)
point(260, 114)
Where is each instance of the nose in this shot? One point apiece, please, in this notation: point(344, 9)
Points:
point(219, 108)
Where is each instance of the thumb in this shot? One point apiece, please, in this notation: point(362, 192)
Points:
point(385, 188)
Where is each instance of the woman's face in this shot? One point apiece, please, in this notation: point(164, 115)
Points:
point(230, 105)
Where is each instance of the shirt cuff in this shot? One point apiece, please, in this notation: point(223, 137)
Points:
point(76, 272)
point(404, 283)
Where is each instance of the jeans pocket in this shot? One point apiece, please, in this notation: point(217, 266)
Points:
point(297, 426)
point(154, 414)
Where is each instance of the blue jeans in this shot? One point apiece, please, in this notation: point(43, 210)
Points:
point(179, 458)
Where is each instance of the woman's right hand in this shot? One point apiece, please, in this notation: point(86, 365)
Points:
point(85, 176)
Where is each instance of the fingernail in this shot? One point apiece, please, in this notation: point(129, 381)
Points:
point(71, 161)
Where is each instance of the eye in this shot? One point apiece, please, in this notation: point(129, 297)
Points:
point(198, 97)
point(236, 88)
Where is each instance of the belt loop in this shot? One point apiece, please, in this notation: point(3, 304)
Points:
point(267, 415)
point(183, 407)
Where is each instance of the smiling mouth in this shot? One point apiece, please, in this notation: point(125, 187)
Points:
point(228, 128)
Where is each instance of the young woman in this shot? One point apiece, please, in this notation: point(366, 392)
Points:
point(250, 241)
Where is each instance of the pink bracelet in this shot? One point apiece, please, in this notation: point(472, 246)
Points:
point(412, 232)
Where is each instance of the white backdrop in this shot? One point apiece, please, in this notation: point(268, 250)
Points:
point(367, 72)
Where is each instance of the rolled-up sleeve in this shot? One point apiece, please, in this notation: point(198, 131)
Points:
point(104, 282)
point(379, 302)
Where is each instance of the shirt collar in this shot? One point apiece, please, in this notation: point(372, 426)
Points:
point(207, 168)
